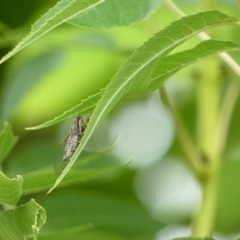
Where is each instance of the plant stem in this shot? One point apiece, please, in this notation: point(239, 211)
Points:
point(208, 99)
point(204, 222)
point(184, 138)
point(226, 111)
point(211, 140)
point(208, 104)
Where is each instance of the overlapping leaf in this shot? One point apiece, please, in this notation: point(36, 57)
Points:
point(175, 62)
point(21, 222)
point(136, 73)
point(167, 67)
point(60, 13)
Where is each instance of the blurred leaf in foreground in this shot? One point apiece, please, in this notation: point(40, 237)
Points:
point(7, 141)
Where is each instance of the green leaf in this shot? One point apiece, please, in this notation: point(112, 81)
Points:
point(21, 222)
point(170, 65)
point(43, 179)
point(39, 174)
point(135, 74)
point(60, 13)
point(11, 189)
point(175, 62)
point(7, 141)
point(114, 13)
point(110, 213)
point(84, 106)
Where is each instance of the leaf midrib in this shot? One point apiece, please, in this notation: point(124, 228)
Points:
point(136, 72)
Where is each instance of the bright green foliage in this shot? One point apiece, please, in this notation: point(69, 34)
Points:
point(68, 9)
point(7, 141)
point(175, 62)
point(106, 207)
point(136, 73)
point(20, 83)
point(21, 222)
point(84, 106)
point(125, 13)
point(59, 14)
point(11, 189)
point(167, 67)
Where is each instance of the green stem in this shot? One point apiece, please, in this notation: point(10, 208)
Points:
point(208, 99)
point(211, 140)
point(225, 115)
point(208, 105)
point(185, 140)
point(204, 222)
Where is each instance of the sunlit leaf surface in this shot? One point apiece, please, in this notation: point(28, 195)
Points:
point(114, 13)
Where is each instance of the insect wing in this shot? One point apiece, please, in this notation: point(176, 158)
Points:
point(59, 164)
point(70, 145)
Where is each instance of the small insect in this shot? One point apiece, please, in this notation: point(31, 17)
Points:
point(71, 143)
point(75, 135)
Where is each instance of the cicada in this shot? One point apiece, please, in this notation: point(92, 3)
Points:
point(71, 143)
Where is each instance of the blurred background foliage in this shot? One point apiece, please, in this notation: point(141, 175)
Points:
point(155, 195)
